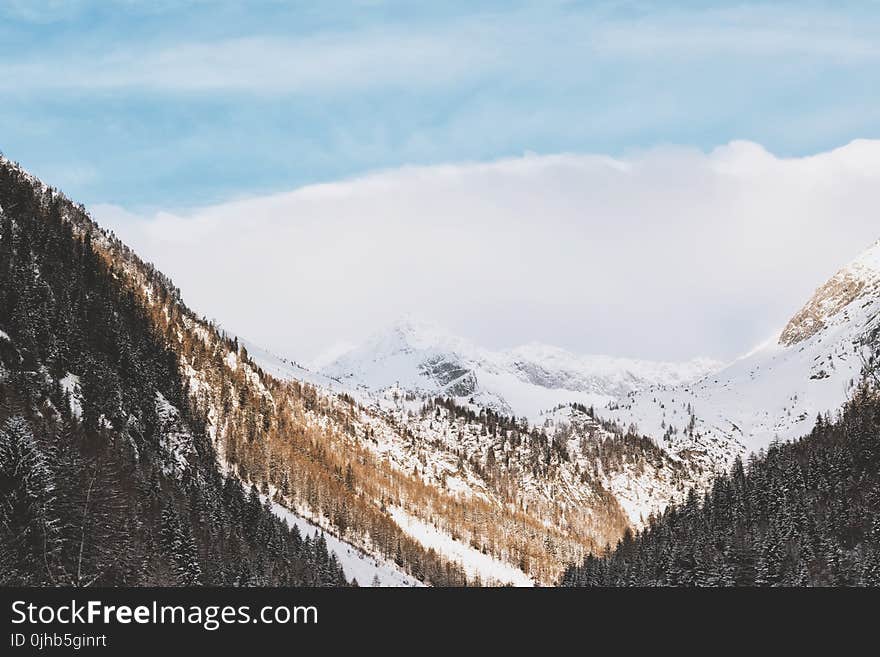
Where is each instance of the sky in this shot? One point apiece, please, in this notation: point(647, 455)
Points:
point(549, 171)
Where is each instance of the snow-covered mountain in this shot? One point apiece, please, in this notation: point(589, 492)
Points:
point(577, 476)
point(524, 381)
point(774, 392)
point(777, 390)
point(602, 475)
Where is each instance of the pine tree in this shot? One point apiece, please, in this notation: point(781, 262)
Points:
point(28, 525)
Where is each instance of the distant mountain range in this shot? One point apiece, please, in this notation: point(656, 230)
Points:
point(524, 381)
point(774, 392)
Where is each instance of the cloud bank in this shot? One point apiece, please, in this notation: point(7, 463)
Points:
point(668, 254)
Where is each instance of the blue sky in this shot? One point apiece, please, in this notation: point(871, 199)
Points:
point(172, 104)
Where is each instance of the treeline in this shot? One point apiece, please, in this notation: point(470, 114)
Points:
point(805, 513)
point(85, 497)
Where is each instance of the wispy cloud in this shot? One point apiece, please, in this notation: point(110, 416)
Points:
point(35, 11)
point(519, 45)
point(744, 31)
point(257, 64)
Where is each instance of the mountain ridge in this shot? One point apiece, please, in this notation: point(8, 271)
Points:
point(423, 357)
point(777, 390)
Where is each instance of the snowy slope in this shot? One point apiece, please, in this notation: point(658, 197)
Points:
point(451, 454)
point(776, 391)
point(524, 381)
point(366, 569)
point(285, 369)
point(447, 452)
point(475, 563)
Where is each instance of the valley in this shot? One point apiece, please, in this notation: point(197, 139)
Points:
point(416, 457)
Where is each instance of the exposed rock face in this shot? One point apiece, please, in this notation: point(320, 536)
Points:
point(860, 278)
point(775, 392)
point(829, 300)
point(450, 375)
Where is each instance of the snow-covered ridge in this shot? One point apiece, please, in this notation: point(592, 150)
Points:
point(701, 416)
point(466, 459)
point(283, 368)
point(858, 279)
point(776, 391)
point(557, 368)
point(523, 381)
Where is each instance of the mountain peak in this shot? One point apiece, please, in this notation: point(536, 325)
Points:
point(869, 260)
point(420, 355)
point(417, 331)
point(855, 280)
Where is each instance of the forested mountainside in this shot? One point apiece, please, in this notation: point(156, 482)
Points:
point(534, 497)
point(583, 476)
point(805, 513)
point(106, 475)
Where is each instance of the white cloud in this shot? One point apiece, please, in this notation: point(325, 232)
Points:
point(671, 253)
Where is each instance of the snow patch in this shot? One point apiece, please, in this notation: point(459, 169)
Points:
point(366, 569)
point(175, 440)
point(476, 564)
point(70, 385)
